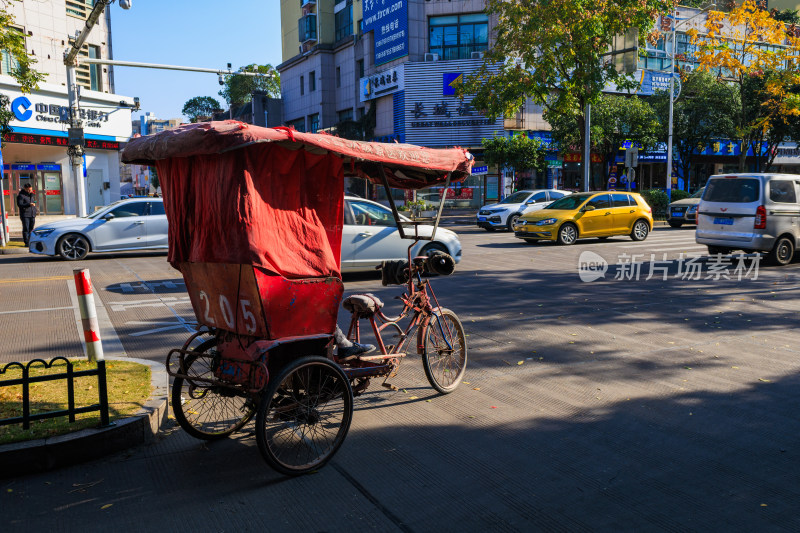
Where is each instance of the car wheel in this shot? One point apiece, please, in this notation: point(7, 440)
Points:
point(640, 230)
point(72, 247)
point(530, 241)
point(674, 223)
point(783, 252)
point(567, 234)
point(433, 248)
point(718, 250)
point(512, 219)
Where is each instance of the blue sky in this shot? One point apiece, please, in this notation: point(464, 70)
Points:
point(198, 33)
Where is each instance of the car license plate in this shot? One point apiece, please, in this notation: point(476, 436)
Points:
point(725, 221)
point(677, 213)
point(481, 219)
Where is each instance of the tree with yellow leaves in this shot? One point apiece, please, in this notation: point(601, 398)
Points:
point(740, 45)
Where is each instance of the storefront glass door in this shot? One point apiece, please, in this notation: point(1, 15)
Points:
point(49, 190)
point(20, 175)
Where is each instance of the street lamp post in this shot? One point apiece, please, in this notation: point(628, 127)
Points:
point(672, 96)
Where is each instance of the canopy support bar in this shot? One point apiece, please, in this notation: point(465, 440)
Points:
point(391, 203)
point(441, 204)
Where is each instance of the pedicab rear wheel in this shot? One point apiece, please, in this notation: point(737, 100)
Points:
point(304, 416)
point(203, 410)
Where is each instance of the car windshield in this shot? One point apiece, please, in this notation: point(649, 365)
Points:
point(103, 209)
point(699, 193)
point(732, 190)
point(573, 201)
point(516, 198)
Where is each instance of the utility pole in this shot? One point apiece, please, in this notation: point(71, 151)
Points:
point(587, 148)
point(75, 132)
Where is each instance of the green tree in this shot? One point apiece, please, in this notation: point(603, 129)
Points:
point(12, 42)
point(554, 52)
point(200, 107)
point(238, 89)
point(615, 119)
point(362, 129)
point(764, 112)
point(519, 152)
point(741, 44)
point(706, 109)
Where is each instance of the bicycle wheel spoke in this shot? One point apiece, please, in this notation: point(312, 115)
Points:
point(305, 418)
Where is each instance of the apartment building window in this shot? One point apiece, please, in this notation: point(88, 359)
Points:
point(299, 124)
point(344, 19)
point(95, 79)
point(345, 115)
point(313, 123)
point(7, 62)
point(457, 36)
point(312, 81)
point(302, 86)
point(79, 8)
point(338, 77)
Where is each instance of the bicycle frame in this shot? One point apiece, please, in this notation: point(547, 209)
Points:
point(416, 299)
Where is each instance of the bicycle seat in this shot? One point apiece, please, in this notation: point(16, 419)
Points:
point(362, 304)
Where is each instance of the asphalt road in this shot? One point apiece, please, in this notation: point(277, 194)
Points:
point(632, 402)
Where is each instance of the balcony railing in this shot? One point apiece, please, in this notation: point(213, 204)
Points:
point(308, 28)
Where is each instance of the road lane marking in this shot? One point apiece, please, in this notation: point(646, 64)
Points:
point(153, 302)
point(30, 280)
point(34, 310)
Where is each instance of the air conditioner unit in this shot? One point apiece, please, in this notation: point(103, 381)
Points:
point(431, 57)
point(476, 55)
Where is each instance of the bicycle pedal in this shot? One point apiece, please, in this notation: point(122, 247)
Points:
point(389, 386)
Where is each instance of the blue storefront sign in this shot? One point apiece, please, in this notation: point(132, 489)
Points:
point(652, 156)
point(389, 21)
point(50, 167)
point(480, 170)
point(23, 167)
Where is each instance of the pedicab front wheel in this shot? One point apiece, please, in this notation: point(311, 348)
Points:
point(304, 416)
point(444, 354)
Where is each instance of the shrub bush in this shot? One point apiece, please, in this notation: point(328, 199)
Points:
point(657, 200)
point(679, 194)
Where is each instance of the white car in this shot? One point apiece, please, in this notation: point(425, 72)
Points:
point(370, 236)
point(132, 224)
point(503, 214)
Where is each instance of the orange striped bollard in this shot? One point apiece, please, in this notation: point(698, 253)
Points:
point(91, 333)
point(91, 329)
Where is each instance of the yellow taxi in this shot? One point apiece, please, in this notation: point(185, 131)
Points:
point(589, 214)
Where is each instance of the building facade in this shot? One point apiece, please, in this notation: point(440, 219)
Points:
point(347, 61)
point(36, 151)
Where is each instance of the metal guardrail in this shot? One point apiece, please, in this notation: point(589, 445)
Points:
point(69, 376)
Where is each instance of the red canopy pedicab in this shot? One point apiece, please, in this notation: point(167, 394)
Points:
point(255, 227)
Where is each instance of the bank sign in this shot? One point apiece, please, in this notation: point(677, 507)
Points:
point(388, 19)
point(48, 113)
point(434, 115)
point(381, 83)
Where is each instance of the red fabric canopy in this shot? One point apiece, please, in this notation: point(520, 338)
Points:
point(272, 198)
point(407, 166)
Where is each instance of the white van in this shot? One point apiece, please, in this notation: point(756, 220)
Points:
point(751, 212)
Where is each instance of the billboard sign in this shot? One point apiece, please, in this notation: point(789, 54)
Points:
point(388, 19)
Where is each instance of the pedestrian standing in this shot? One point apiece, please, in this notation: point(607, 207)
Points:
point(26, 201)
